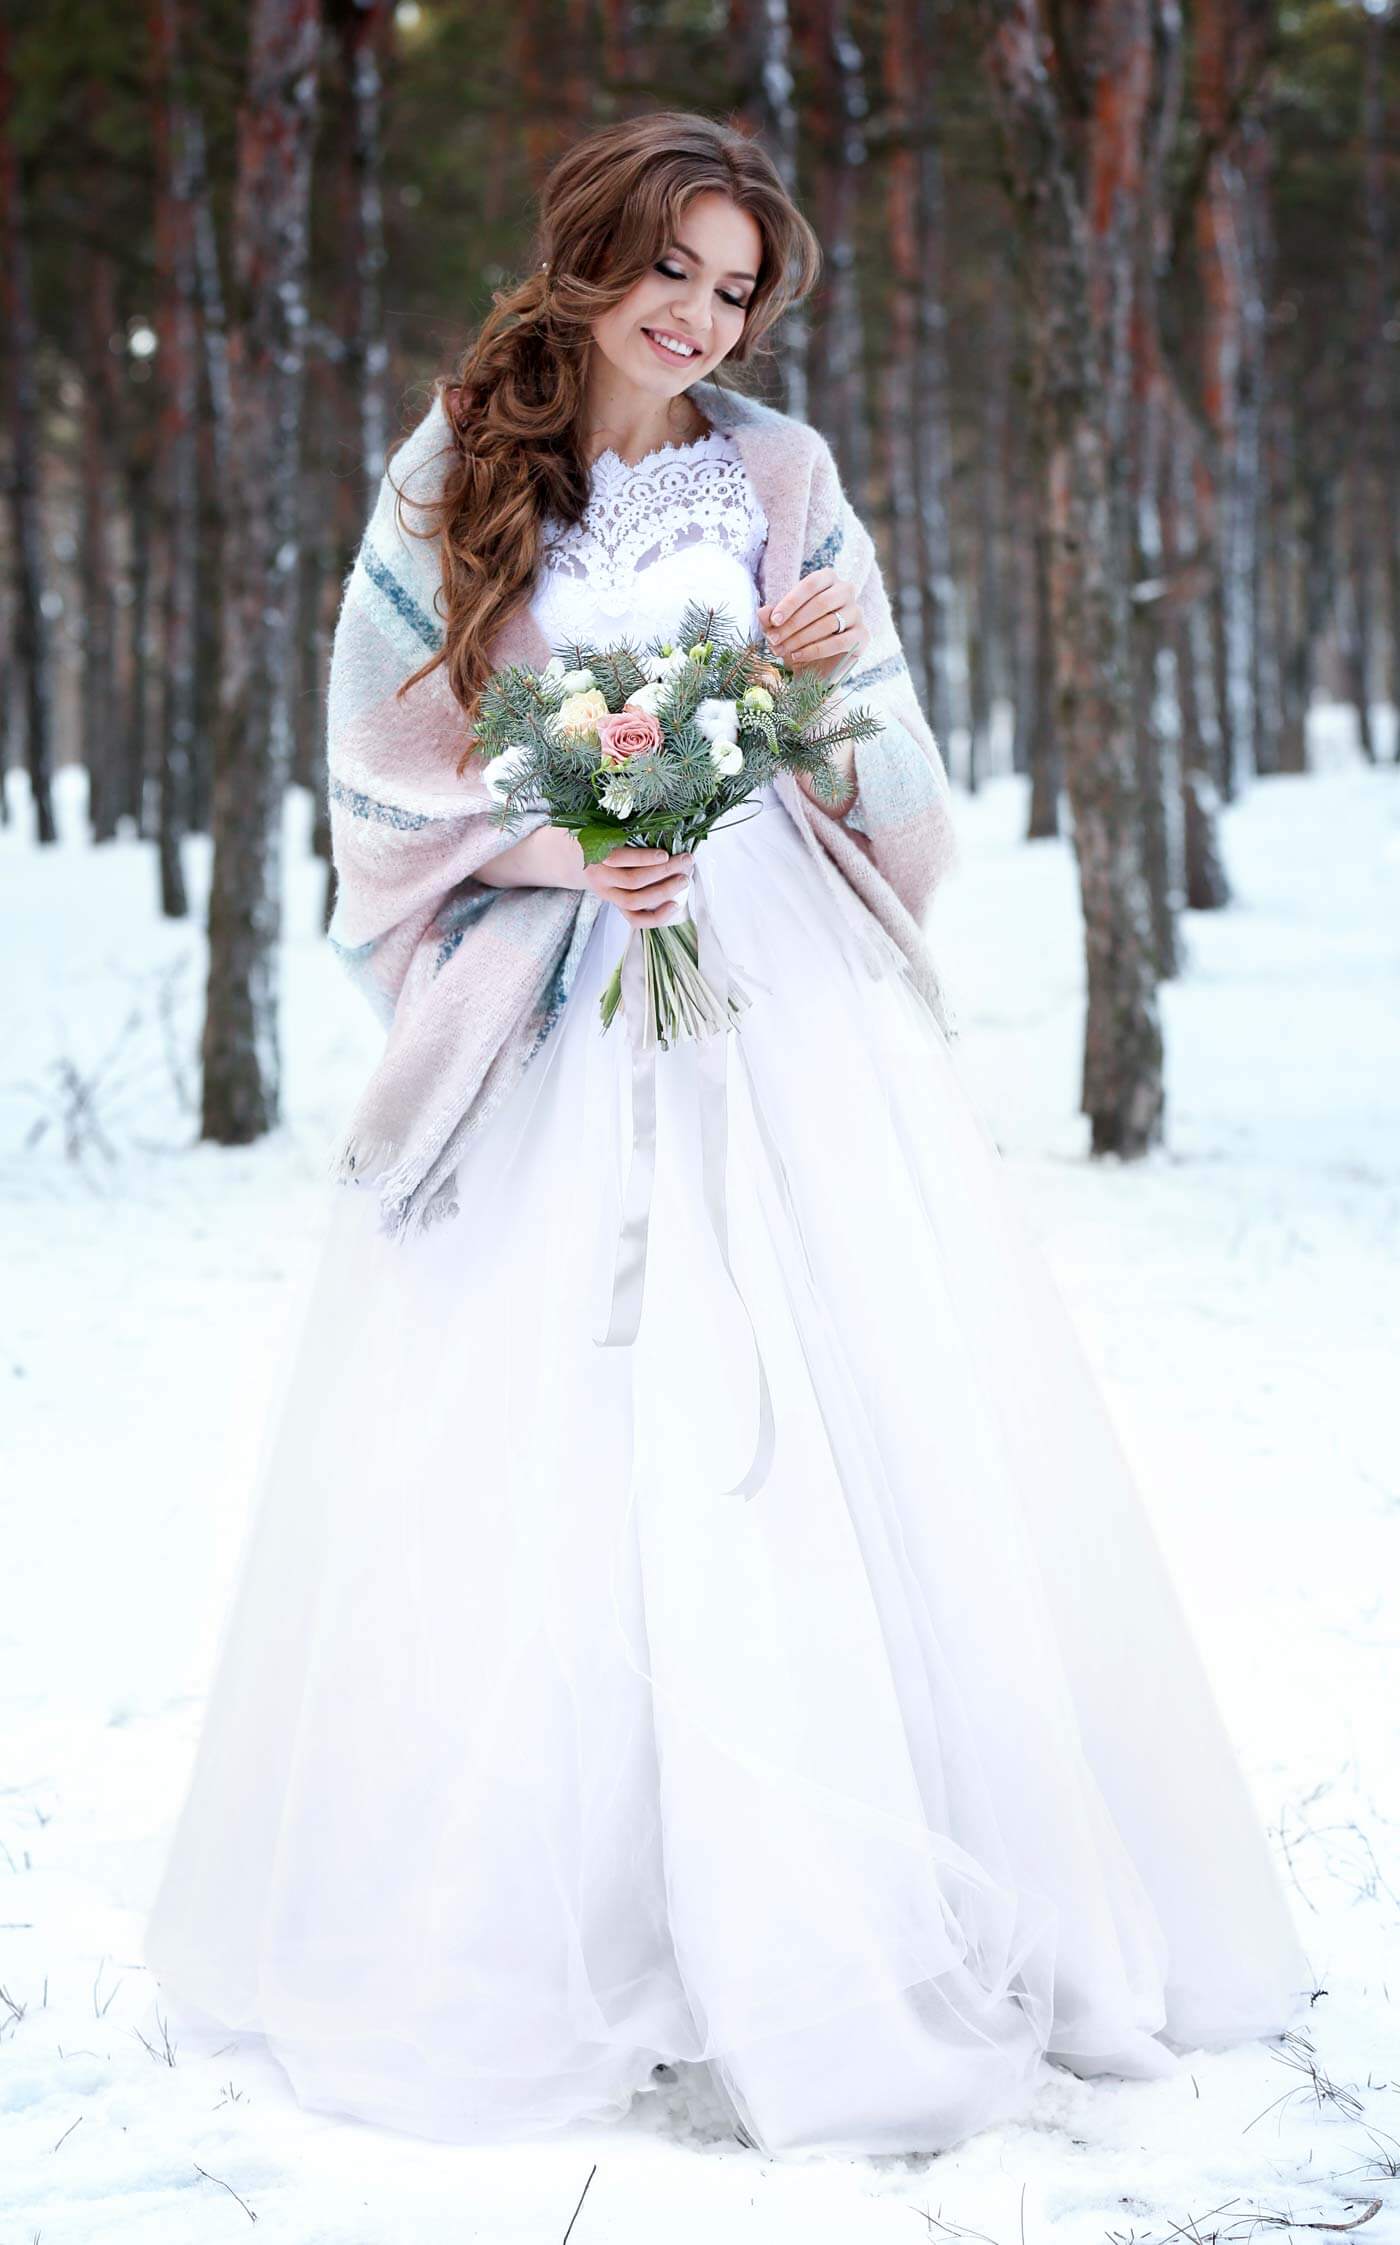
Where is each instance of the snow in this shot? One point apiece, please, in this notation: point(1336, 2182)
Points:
point(1236, 1292)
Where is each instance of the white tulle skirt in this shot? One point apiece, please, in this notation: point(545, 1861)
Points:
point(533, 1758)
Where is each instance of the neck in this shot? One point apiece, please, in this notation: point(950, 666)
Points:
point(630, 422)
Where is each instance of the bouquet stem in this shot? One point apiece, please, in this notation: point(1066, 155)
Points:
point(679, 1001)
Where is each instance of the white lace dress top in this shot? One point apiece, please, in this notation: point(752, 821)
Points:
point(683, 523)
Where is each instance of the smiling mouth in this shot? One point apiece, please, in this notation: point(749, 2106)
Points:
point(681, 357)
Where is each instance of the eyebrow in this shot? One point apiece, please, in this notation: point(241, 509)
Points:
point(700, 261)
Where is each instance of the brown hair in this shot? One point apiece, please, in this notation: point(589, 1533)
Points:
point(608, 208)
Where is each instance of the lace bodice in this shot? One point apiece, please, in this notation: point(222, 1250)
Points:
point(683, 523)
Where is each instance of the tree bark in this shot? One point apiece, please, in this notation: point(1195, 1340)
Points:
point(1143, 530)
point(177, 474)
point(933, 433)
point(33, 654)
point(100, 433)
point(1377, 435)
point(1079, 254)
point(214, 441)
point(836, 375)
point(365, 30)
point(986, 639)
point(1228, 35)
point(138, 478)
point(1206, 887)
point(899, 391)
point(760, 38)
point(241, 1061)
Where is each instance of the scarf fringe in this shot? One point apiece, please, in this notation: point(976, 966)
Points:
point(386, 1163)
point(366, 1161)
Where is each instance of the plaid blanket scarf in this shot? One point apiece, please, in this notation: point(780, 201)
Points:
point(469, 979)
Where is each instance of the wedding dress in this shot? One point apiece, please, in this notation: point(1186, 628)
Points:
point(535, 1760)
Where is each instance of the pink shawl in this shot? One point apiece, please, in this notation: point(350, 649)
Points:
point(469, 979)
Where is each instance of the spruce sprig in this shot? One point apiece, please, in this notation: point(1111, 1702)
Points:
point(676, 793)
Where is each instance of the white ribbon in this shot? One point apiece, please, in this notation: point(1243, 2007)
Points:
point(629, 1268)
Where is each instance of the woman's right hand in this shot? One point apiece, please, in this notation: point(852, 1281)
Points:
point(650, 887)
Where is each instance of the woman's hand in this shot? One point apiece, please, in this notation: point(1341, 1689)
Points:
point(801, 627)
point(649, 887)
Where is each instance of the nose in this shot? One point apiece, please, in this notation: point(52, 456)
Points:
point(690, 318)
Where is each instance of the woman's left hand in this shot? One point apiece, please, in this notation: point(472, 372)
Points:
point(802, 626)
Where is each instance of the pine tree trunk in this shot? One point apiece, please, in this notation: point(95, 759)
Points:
point(1204, 882)
point(177, 473)
point(100, 713)
point(1377, 435)
point(1079, 224)
point(1356, 612)
point(899, 392)
point(1266, 693)
point(1042, 750)
point(33, 655)
point(933, 421)
point(986, 637)
point(213, 453)
point(760, 41)
point(138, 477)
point(1144, 530)
point(1154, 682)
point(836, 372)
point(1226, 37)
point(1312, 487)
point(241, 1062)
point(365, 31)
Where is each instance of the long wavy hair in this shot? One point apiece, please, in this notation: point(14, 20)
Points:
point(515, 405)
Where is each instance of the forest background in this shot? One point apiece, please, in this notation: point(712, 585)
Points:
point(1106, 343)
point(1107, 346)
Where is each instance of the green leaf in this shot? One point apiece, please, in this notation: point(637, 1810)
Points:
point(598, 842)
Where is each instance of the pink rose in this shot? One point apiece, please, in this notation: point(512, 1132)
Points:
point(628, 732)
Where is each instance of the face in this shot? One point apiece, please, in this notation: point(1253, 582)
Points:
point(695, 294)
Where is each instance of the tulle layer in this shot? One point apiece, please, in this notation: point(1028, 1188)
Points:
point(534, 1758)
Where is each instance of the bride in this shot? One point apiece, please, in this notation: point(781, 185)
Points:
point(540, 1767)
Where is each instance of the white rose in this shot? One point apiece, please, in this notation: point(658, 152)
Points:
point(504, 770)
point(727, 757)
point(718, 720)
point(666, 666)
point(617, 797)
point(576, 681)
point(648, 697)
point(553, 675)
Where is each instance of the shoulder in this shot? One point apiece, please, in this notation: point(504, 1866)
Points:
point(747, 417)
point(417, 467)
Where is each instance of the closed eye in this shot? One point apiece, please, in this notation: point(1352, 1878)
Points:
point(740, 303)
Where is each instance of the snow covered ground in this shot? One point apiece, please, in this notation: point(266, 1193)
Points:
point(1237, 1292)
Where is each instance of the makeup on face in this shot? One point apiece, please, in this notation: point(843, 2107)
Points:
point(680, 345)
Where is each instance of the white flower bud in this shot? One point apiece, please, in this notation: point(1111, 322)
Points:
point(617, 797)
point(718, 719)
point(648, 697)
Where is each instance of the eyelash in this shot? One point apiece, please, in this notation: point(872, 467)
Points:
point(739, 303)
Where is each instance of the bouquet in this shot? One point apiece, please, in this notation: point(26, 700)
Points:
point(655, 745)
